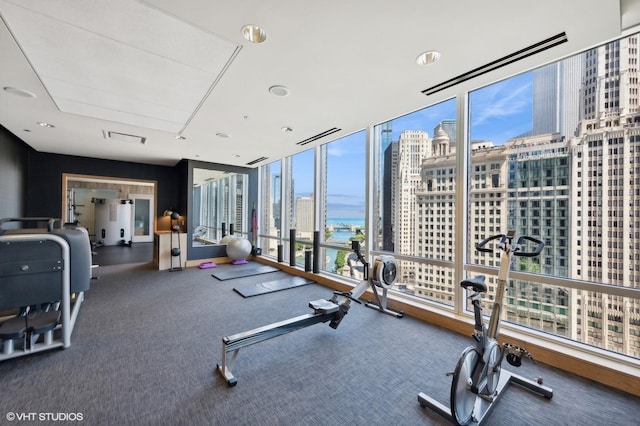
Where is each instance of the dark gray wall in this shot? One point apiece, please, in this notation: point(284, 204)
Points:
point(31, 183)
point(13, 171)
point(44, 180)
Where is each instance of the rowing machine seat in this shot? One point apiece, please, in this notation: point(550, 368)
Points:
point(323, 306)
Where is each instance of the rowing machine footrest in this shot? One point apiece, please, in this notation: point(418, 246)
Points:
point(13, 328)
point(323, 306)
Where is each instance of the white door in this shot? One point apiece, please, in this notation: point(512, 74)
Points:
point(142, 217)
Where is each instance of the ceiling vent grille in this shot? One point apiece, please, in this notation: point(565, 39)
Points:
point(499, 63)
point(257, 160)
point(123, 137)
point(319, 136)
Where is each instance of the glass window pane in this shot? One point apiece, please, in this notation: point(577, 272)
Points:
point(415, 200)
point(271, 199)
point(344, 203)
point(302, 209)
point(553, 156)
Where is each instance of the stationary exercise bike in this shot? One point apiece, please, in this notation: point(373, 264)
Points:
point(477, 380)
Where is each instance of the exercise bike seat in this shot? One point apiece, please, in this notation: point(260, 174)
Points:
point(476, 283)
point(323, 306)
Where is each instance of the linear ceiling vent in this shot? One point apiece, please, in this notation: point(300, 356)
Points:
point(123, 137)
point(257, 160)
point(319, 136)
point(499, 63)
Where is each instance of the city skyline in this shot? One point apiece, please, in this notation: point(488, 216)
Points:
point(507, 112)
point(555, 155)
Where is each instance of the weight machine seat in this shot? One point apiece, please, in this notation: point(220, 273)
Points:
point(41, 322)
point(13, 328)
point(35, 322)
point(476, 283)
point(323, 306)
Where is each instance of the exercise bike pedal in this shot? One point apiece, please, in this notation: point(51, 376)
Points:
point(515, 353)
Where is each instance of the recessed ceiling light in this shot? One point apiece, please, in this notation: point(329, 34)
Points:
point(180, 137)
point(428, 58)
point(19, 92)
point(279, 90)
point(254, 33)
point(43, 124)
point(222, 135)
point(236, 156)
point(287, 129)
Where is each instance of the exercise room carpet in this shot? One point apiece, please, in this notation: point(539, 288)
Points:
point(118, 255)
point(147, 342)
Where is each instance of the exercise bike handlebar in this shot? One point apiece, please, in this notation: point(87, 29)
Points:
point(518, 247)
point(535, 252)
point(481, 245)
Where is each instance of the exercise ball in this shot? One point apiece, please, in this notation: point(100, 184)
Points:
point(226, 239)
point(238, 248)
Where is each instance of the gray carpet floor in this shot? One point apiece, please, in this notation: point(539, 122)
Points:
point(146, 345)
point(117, 255)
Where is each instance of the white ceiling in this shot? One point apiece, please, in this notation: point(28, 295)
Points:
point(160, 68)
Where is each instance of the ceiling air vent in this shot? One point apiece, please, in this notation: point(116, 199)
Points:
point(499, 63)
point(257, 160)
point(319, 136)
point(123, 137)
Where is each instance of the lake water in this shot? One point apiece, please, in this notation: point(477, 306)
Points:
point(340, 236)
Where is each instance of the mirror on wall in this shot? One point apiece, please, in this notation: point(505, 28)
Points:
point(219, 207)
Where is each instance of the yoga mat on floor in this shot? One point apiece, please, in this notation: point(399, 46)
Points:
point(253, 289)
point(239, 271)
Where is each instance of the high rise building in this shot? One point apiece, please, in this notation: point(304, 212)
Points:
point(276, 195)
point(304, 217)
point(605, 194)
point(413, 147)
point(556, 94)
point(390, 163)
point(450, 128)
point(435, 238)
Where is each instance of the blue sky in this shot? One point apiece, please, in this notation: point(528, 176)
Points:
point(498, 112)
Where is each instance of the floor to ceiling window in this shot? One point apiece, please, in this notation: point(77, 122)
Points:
point(344, 178)
point(271, 195)
point(415, 198)
point(301, 209)
point(552, 157)
point(553, 153)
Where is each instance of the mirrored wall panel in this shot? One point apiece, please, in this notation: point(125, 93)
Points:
point(219, 205)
